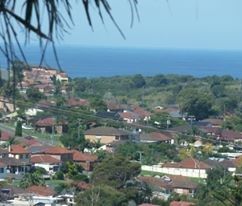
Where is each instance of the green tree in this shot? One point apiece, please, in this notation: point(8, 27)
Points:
point(101, 195)
point(18, 129)
point(34, 95)
point(115, 172)
point(138, 81)
point(195, 102)
point(30, 179)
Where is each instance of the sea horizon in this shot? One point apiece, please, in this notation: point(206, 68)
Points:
point(87, 61)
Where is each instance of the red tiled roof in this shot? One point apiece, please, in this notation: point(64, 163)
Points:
point(45, 122)
point(83, 157)
point(181, 203)
point(141, 112)
point(18, 149)
point(2, 164)
point(41, 190)
point(5, 136)
point(160, 136)
point(189, 163)
point(57, 150)
point(229, 135)
point(30, 141)
point(128, 115)
point(77, 102)
point(49, 121)
point(44, 159)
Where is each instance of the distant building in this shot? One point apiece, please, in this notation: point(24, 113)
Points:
point(106, 135)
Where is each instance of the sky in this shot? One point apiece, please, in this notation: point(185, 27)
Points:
point(195, 24)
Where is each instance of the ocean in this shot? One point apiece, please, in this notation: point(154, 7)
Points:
point(97, 62)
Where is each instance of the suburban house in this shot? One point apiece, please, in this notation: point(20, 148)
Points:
point(3, 170)
point(3, 153)
point(49, 124)
point(4, 137)
point(142, 113)
point(213, 122)
point(75, 102)
point(16, 167)
point(106, 135)
point(49, 163)
point(161, 137)
point(18, 152)
point(60, 153)
point(164, 186)
point(223, 135)
point(86, 160)
point(188, 167)
point(115, 107)
point(129, 117)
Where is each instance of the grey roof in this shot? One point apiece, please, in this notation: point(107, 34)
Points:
point(109, 131)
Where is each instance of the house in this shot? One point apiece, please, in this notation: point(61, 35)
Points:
point(161, 137)
point(30, 141)
point(142, 113)
point(62, 77)
point(115, 107)
point(217, 123)
point(164, 186)
point(181, 203)
point(16, 167)
point(60, 153)
point(49, 163)
point(49, 124)
point(75, 102)
point(3, 170)
point(188, 167)
point(86, 160)
point(129, 117)
point(3, 153)
point(18, 152)
point(41, 195)
point(5, 137)
point(106, 135)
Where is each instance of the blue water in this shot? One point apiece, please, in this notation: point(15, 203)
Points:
point(95, 62)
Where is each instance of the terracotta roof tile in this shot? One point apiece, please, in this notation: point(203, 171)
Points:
point(181, 203)
point(40, 190)
point(56, 150)
point(5, 136)
point(44, 159)
point(83, 157)
point(18, 149)
point(190, 163)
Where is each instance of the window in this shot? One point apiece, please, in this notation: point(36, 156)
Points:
point(1, 170)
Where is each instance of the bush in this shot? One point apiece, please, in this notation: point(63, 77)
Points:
point(59, 176)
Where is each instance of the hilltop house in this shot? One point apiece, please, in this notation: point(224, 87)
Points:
point(106, 135)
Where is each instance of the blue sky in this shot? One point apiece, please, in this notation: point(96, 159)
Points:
point(205, 24)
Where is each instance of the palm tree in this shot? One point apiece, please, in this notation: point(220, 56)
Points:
point(59, 19)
